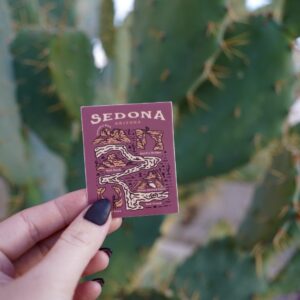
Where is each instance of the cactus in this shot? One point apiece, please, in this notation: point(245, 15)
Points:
point(290, 18)
point(135, 236)
point(122, 59)
point(273, 194)
point(59, 13)
point(167, 58)
point(218, 271)
point(48, 169)
point(55, 73)
point(51, 83)
point(147, 295)
point(287, 281)
point(25, 12)
point(73, 71)
point(40, 106)
point(232, 121)
point(13, 162)
point(107, 28)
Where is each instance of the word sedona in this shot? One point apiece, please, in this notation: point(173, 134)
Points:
point(105, 117)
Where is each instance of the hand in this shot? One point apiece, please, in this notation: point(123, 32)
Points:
point(45, 250)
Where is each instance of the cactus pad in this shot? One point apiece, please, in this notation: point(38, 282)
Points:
point(73, 70)
point(167, 55)
point(246, 112)
point(275, 192)
point(13, 162)
point(217, 271)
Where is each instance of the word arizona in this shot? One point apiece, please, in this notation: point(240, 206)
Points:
point(105, 117)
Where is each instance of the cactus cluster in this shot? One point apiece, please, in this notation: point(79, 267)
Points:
point(13, 162)
point(230, 76)
point(218, 271)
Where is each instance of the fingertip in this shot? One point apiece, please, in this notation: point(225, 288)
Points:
point(115, 224)
point(88, 290)
point(97, 264)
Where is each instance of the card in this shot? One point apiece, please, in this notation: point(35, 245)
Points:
point(129, 157)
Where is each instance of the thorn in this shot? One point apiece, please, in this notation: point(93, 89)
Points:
point(257, 140)
point(56, 107)
point(229, 46)
point(135, 82)
point(194, 102)
point(212, 28)
point(278, 86)
point(216, 73)
point(209, 160)
point(157, 34)
point(237, 112)
point(165, 75)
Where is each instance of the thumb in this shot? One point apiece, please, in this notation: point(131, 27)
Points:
point(66, 261)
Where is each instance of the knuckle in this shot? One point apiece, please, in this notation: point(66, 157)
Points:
point(76, 238)
point(33, 231)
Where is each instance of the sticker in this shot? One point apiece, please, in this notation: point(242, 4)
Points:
point(129, 157)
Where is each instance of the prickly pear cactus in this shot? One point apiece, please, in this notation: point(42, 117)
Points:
point(287, 281)
point(147, 295)
point(290, 17)
point(41, 108)
point(73, 71)
point(13, 162)
point(25, 12)
point(58, 13)
point(136, 236)
point(167, 56)
point(217, 271)
point(55, 75)
point(236, 118)
point(273, 194)
point(107, 28)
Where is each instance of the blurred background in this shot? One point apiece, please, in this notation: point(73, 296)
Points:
point(231, 68)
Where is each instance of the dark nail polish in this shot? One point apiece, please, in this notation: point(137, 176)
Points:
point(108, 251)
point(99, 211)
point(99, 280)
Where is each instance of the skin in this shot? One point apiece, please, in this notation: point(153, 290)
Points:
point(45, 250)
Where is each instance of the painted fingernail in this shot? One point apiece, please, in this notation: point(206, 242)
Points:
point(99, 211)
point(99, 280)
point(108, 251)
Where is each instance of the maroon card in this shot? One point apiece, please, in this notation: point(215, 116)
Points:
point(129, 157)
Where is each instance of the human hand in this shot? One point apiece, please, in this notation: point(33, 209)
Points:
point(45, 250)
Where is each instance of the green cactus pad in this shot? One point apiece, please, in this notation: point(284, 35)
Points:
point(217, 271)
point(73, 70)
point(13, 162)
point(262, 220)
point(40, 106)
point(136, 236)
point(287, 281)
point(290, 17)
point(171, 46)
point(107, 29)
point(58, 13)
point(147, 295)
point(25, 12)
point(52, 85)
point(246, 112)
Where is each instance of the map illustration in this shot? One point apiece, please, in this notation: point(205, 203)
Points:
point(131, 163)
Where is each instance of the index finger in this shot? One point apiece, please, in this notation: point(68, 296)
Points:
point(24, 229)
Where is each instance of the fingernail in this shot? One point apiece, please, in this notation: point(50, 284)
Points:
point(99, 280)
point(99, 211)
point(108, 251)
